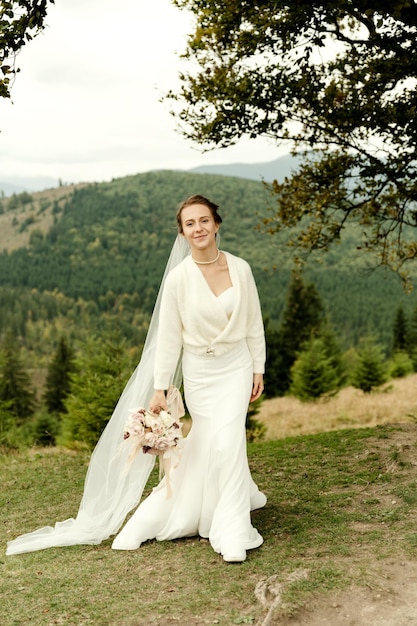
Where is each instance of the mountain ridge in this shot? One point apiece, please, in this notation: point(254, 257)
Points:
point(264, 170)
point(18, 184)
point(277, 169)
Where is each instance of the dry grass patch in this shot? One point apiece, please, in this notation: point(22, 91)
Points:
point(11, 234)
point(351, 408)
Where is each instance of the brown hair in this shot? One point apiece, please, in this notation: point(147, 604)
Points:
point(198, 200)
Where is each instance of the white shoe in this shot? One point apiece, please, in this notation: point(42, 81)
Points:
point(238, 556)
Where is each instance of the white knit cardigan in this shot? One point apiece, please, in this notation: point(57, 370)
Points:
point(192, 317)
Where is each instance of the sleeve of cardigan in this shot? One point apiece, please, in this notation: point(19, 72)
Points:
point(256, 333)
point(169, 341)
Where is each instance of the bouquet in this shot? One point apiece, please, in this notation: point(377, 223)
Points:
point(158, 434)
point(154, 433)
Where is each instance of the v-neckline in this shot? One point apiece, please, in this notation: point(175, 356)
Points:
point(206, 281)
point(226, 290)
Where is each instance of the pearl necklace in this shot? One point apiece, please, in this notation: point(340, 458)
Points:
point(207, 262)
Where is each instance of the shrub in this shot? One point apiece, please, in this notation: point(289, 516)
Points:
point(44, 429)
point(370, 372)
point(401, 365)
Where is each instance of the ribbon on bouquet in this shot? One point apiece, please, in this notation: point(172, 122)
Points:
point(175, 403)
point(170, 458)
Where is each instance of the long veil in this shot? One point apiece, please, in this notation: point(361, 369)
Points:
point(110, 491)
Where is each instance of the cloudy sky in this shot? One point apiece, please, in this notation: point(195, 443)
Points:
point(85, 105)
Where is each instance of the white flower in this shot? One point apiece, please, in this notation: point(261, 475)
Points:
point(157, 427)
point(166, 419)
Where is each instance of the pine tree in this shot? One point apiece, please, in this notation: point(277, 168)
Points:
point(412, 338)
point(400, 331)
point(273, 361)
point(15, 384)
point(101, 374)
point(334, 352)
point(255, 430)
point(313, 374)
point(7, 421)
point(302, 317)
point(370, 371)
point(58, 379)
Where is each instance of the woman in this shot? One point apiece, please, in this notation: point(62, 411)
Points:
point(210, 310)
point(207, 306)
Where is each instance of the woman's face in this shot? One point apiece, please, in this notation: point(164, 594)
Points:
point(198, 226)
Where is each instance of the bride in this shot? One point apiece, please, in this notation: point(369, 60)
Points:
point(207, 326)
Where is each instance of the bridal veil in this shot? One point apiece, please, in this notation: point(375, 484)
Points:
point(110, 490)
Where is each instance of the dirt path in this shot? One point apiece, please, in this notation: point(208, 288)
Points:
point(392, 601)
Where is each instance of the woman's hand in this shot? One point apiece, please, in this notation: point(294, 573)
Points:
point(158, 402)
point(258, 387)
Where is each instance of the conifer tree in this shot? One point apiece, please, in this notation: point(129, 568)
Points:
point(400, 331)
point(412, 338)
point(273, 362)
point(313, 374)
point(15, 384)
point(333, 352)
point(100, 376)
point(255, 429)
point(370, 371)
point(58, 378)
point(302, 317)
point(7, 421)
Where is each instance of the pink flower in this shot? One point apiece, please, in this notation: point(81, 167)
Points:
point(134, 425)
point(162, 444)
point(150, 440)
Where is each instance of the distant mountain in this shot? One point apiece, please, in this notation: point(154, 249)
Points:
point(17, 184)
point(277, 169)
point(267, 171)
point(7, 189)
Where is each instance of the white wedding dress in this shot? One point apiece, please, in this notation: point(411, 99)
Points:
point(213, 491)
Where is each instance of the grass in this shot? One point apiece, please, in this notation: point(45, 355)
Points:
point(395, 402)
point(339, 505)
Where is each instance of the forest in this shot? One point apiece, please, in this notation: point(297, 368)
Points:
point(106, 250)
point(81, 272)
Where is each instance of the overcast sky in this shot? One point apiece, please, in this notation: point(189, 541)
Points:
point(85, 105)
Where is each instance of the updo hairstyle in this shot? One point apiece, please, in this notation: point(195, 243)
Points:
point(198, 200)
